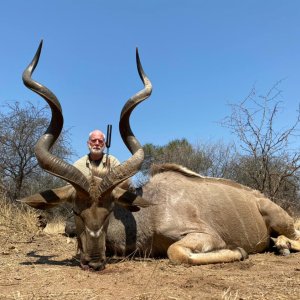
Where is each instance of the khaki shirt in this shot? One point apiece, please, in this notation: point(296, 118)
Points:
point(99, 167)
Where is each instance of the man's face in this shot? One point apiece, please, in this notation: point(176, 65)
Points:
point(96, 143)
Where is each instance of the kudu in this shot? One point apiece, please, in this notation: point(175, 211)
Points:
point(190, 218)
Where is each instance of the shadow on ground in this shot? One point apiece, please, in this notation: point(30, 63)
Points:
point(48, 260)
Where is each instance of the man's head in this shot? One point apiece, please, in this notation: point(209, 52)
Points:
point(96, 144)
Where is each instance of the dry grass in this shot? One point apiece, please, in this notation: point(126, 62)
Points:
point(24, 219)
point(230, 295)
point(17, 216)
point(56, 226)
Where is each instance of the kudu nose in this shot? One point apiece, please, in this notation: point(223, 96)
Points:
point(93, 265)
point(97, 266)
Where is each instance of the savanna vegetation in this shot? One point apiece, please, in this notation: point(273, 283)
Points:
point(38, 265)
point(20, 175)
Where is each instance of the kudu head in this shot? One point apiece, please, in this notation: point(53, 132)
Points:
point(93, 198)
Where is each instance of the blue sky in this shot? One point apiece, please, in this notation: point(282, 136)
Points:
point(199, 55)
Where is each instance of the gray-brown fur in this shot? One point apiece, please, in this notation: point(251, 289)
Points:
point(190, 219)
point(234, 215)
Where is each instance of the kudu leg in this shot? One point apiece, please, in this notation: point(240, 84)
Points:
point(201, 249)
point(278, 219)
point(284, 244)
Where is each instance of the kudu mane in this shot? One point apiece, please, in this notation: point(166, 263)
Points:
point(169, 167)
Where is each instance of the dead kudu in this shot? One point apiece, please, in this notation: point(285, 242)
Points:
point(190, 218)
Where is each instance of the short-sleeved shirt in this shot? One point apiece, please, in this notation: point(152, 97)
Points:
point(98, 167)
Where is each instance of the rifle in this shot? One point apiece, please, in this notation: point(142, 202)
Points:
point(107, 144)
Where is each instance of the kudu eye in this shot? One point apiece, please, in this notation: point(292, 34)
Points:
point(76, 213)
point(79, 217)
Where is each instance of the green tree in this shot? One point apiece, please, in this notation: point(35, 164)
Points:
point(205, 159)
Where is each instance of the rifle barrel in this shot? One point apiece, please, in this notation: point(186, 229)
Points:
point(108, 135)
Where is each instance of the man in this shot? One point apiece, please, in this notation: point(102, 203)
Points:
point(96, 162)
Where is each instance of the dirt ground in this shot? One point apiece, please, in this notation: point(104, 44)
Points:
point(43, 266)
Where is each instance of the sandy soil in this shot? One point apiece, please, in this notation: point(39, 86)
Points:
point(43, 266)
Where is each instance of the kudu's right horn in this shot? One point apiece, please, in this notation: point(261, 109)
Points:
point(46, 159)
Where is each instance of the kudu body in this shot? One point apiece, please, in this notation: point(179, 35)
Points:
point(190, 218)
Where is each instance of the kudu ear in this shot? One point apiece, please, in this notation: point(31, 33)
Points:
point(129, 200)
point(50, 198)
point(274, 240)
